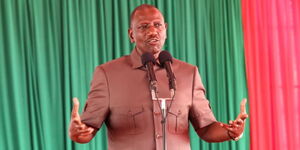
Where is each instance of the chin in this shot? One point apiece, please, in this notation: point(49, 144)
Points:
point(153, 50)
point(156, 51)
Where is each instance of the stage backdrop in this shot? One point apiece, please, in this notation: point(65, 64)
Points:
point(272, 50)
point(49, 49)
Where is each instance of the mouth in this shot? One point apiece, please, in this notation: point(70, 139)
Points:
point(153, 41)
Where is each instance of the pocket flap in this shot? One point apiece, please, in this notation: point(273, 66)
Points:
point(175, 111)
point(136, 110)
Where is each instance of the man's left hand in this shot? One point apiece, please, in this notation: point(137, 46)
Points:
point(236, 127)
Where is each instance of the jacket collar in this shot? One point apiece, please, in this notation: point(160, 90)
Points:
point(136, 61)
point(135, 58)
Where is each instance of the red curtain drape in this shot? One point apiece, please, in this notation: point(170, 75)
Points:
point(272, 51)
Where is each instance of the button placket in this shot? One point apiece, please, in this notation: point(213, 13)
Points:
point(157, 125)
point(158, 136)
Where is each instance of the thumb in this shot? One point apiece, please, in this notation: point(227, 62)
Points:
point(243, 114)
point(243, 106)
point(75, 107)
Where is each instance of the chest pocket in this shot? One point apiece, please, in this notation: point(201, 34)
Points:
point(127, 120)
point(178, 120)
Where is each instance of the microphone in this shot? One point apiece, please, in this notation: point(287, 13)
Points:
point(165, 59)
point(148, 61)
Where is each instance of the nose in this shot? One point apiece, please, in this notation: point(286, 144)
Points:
point(152, 30)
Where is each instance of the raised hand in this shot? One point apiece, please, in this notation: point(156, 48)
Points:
point(78, 131)
point(236, 127)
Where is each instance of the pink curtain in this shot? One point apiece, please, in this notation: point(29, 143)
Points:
point(272, 49)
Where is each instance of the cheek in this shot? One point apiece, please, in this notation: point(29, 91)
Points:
point(139, 36)
point(163, 34)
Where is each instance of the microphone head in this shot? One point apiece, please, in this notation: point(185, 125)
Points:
point(164, 56)
point(147, 57)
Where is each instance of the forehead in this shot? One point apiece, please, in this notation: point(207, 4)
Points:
point(147, 15)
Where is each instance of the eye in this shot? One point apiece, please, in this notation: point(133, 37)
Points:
point(143, 26)
point(157, 24)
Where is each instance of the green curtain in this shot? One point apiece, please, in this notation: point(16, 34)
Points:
point(49, 49)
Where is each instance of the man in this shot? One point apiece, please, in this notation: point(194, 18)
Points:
point(120, 97)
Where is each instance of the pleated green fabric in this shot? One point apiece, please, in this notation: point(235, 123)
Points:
point(49, 49)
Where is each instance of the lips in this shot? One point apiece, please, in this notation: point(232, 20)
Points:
point(152, 41)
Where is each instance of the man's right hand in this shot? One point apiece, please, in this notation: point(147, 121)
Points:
point(78, 131)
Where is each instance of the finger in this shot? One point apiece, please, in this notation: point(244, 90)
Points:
point(79, 129)
point(76, 121)
point(243, 106)
point(230, 128)
point(223, 125)
point(84, 135)
point(87, 131)
point(243, 116)
point(226, 126)
point(233, 133)
point(235, 125)
point(75, 131)
point(81, 126)
point(239, 121)
point(75, 107)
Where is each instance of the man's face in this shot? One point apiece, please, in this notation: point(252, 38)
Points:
point(148, 30)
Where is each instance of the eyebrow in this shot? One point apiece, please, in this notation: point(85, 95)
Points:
point(155, 21)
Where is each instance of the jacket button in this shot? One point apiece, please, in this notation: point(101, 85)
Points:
point(156, 113)
point(158, 136)
point(179, 112)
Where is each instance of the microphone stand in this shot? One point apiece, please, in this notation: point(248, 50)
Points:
point(163, 122)
point(163, 106)
point(149, 60)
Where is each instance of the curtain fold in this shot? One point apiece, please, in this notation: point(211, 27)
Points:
point(49, 49)
point(272, 51)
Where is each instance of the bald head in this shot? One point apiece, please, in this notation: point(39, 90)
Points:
point(141, 7)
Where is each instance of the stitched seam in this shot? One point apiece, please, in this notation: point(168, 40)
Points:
point(193, 86)
point(106, 85)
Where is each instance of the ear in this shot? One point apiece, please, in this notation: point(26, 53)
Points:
point(166, 26)
point(130, 35)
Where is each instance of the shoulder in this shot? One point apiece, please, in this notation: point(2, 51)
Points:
point(115, 63)
point(179, 64)
point(184, 70)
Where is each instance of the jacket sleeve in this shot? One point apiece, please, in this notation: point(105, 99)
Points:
point(200, 113)
point(97, 105)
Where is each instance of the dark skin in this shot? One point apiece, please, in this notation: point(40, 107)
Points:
point(148, 32)
point(218, 132)
point(78, 131)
